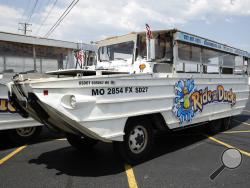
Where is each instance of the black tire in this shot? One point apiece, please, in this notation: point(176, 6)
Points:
point(81, 142)
point(215, 126)
point(24, 135)
point(226, 123)
point(138, 141)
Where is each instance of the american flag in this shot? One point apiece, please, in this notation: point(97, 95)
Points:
point(148, 32)
point(80, 56)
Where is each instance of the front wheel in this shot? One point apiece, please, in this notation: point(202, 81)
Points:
point(81, 142)
point(138, 141)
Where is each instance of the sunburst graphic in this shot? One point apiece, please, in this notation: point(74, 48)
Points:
point(183, 107)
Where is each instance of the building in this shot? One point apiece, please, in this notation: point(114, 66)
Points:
point(20, 53)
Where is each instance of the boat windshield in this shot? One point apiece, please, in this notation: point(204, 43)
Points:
point(163, 48)
point(121, 51)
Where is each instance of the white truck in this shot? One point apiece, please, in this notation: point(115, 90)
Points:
point(170, 81)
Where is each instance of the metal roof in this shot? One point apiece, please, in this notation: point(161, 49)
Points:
point(230, 49)
point(13, 37)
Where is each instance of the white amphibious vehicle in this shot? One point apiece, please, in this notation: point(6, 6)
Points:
point(171, 81)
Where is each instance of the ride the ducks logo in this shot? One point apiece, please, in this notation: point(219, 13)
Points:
point(5, 106)
point(188, 100)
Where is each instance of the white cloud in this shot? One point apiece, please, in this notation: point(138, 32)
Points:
point(9, 18)
point(111, 17)
point(92, 20)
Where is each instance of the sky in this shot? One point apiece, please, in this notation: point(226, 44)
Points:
point(225, 21)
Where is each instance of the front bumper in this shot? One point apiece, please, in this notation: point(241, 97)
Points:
point(30, 105)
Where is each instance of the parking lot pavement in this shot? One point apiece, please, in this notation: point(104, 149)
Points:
point(182, 159)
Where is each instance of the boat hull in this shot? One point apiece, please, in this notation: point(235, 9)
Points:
point(104, 103)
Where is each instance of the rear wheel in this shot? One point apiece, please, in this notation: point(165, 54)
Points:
point(81, 142)
point(138, 141)
point(215, 126)
point(24, 135)
point(226, 123)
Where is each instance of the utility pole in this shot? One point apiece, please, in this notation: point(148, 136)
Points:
point(24, 27)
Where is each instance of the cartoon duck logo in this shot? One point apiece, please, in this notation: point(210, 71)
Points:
point(183, 108)
point(186, 102)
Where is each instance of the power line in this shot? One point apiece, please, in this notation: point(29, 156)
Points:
point(65, 13)
point(24, 12)
point(45, 19)
point(41, 4)
point(32, 11)
point(25, 27)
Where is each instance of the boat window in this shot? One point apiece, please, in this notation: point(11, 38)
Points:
point(191, 55)
point(228, 60)
point(20, 57)
point(211, 57)
point(141, 47)
point(239, 62)
point(189, 52)
point(211, 60)
point(121, 51)
point(239, 65)
point(163, 50)
point(227, 65)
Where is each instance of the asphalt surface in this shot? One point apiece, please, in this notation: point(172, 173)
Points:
point(182, 159)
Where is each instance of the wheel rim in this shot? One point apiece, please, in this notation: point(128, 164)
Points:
point(25, 132)
point(138, 139)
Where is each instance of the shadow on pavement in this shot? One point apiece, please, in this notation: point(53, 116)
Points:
point(46, 135)
point(102, 161)
point(242, 118)
point(99, 161)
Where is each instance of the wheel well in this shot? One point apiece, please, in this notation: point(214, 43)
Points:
point(156, 120)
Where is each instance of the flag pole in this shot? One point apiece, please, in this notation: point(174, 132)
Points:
point(148, 37)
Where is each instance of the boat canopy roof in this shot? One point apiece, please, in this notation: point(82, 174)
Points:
point(179, 36)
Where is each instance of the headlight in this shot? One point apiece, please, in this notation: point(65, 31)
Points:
point(73, 101)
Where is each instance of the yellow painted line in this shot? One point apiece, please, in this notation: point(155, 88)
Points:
point(241, 122)
point(227, 145)
point(6, 158)
point(130, 176)
point(231, 132)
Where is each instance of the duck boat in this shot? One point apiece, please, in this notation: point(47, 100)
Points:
point(142, 82)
